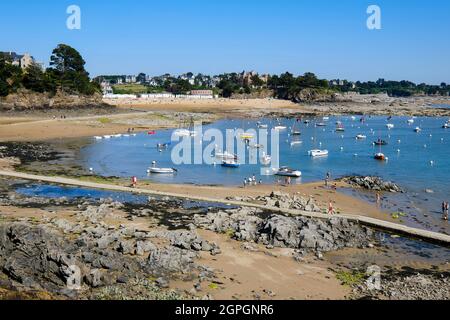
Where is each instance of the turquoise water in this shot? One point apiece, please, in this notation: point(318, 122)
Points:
point(410, 155)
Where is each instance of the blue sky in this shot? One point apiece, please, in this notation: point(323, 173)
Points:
point(327, 37)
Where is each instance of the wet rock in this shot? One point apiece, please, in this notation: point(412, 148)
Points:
point(373, 183)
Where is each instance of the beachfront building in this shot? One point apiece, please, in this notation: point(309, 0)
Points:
point(21, 60)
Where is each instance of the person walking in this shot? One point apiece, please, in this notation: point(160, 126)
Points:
point(446, 211)
point(330, 208)
point(245, 182)
point(378, 199)
point(134, 181)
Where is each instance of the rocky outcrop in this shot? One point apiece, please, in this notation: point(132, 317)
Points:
point(25, 100)
point(373, 183)
point(282, 200)
point(246, 224)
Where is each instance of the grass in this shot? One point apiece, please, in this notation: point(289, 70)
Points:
point(350, 278)
point(129, 89)
point(229, 233)
point(104, 120)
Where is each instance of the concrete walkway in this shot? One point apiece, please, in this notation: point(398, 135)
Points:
point(426, 235)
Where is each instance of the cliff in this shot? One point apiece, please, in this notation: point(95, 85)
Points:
point(28, 100)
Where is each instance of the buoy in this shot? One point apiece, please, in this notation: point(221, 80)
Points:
point(398, 150)
point(342, 148)
point(424, 145)
point(432, 162)
point(399, 141)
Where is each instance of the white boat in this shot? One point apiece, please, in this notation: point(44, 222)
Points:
point(162, 170)
point(446, 126)
point(225, 155)
point(410, 121)
point(321, 124)
point(390, 126)
point(361, 137)
point(280, 128)
point(182, 133)
point(230, 164)
point(417, 129)
point(353, 118)
point(326, 118)
point(256, 146)
point(295, 143)
point(288, 172)
point(318, 153)
point(262, 126)
point(107, 137)
point(98, 138)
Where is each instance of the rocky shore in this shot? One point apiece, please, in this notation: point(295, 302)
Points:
point(373, 184)
point(99, 252)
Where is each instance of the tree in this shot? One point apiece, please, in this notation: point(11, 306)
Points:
point(35, 79)
point(67, 65)
point(10, 77)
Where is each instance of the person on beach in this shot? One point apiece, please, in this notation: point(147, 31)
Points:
point(245, 182)
point(330, 208)
point(327, 178)
point(378, 199)
point(446, 211)
point(134, 181)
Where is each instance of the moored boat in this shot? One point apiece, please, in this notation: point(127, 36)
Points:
point(230, 164)
point(361, 137)
point(380, 142)
point(380, 156)
point(288, 172)
point(318, 153)
point(162, 170)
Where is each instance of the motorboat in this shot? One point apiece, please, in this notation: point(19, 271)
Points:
point(380, 142)
point(98, 138)
point(280, 128)
point(225, 156)
point(410, 121)
point(295, 143)
point(380, 156)
point(353, 118)
point(163, 145)
point(446, 126)
point(256, 146)
point(162, 170)
point(318, 153)
point(326, 118)
point(230, 164)
point(417, 129)
point(262, 126)
point(361, 137)
point(288, 172)
point(182, 133)
point(340, 128)
point(321, 124)
point(390, 126)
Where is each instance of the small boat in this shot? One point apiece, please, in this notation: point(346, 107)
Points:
point(98, 138)
point(361, 137)
point(340, 128)
point(295, 143)
point(410, 121)
point(380, 142)
point(306, 121)
point(106, 137)
point(326, 118)
point(353, 118)
point(390, 126)
point(321, 124)
point(417, 129)
point(380, 156)
point(265, 160)
point(318, 153)
point(262, 126)
point(288, 172)
point(182, 133)
point(162, 170)
point(294, 131)
point(256, 146)
point(153, 132)
point(280, 128)
point(446, 126)
point(225, 155)
point(230, 164)
point(163, 145)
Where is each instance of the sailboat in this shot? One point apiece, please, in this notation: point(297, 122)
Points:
point(295, 132)
point(380, 156)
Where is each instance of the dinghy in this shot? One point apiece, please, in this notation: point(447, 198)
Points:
point(318, 153)
point(380, 142)
point(295, 143)
point(390, 126)
point(162, 170)
point(280, 128)
point(340, 128)
point(410, 121)
point(417, 129)
point(361, 137)
point(321, 124)
point(288, 172)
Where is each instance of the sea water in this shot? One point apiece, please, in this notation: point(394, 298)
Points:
point(419, 162)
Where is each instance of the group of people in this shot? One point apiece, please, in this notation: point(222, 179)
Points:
point(445, 210)
point(251, 181)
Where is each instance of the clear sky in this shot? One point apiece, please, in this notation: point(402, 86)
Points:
point(327, 37)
